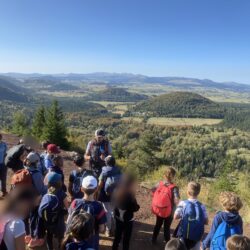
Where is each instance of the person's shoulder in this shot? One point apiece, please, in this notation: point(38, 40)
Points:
point(16, 223)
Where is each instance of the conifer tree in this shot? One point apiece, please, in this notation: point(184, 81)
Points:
point(20, 124)
point(55, 129)
point(38, 124)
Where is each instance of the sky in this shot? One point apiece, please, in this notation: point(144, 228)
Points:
point(192, 38)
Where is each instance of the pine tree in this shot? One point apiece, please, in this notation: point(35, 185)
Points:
point(55, 129)
point(20, 124)
point(38, 124)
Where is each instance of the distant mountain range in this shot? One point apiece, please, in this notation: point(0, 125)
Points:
point(119, 79)
point(19, 87)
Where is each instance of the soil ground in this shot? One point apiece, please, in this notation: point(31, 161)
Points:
point(144, 220)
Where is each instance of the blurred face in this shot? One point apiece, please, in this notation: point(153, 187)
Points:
point(24, 208)
point(99, 138)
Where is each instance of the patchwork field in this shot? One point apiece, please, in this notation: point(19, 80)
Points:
point(172, 122)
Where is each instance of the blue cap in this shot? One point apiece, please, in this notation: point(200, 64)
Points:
point(54, 177)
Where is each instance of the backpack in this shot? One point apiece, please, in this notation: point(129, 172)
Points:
point(22, 177)
point(49, 209)
point(3, 224)
point(222, 233)
point(3, 149)
point(97, 149)
point(112, 179)
point(192, 222)
point(162, 200)
point(41, 164)
point(77, 183)
point(78, 246)
point(12, 157)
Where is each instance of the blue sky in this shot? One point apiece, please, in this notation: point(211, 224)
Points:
point(193, 38)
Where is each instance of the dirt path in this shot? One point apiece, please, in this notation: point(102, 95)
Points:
point(143, 227)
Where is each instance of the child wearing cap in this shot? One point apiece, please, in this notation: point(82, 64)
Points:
point(52, 150)
point(90, 205)
point(76, 177)
point(51, 209)
point(36, 237)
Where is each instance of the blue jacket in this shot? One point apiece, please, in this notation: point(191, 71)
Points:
point(37, 179)
point(3, 149)
point(230, 218)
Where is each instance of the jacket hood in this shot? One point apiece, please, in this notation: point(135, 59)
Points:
point(230, 218)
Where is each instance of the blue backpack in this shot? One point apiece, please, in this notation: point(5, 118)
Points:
point(222, 233)
point(192, 223)
point(77, 183)
point(49, 209)
point(112, 179)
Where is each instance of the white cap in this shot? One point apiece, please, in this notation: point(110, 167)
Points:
point(89, 182)
point(33, 157)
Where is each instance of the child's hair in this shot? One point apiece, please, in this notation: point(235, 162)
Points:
point(57, 160)
point(175, 244)
point(80, 228)
point(78, 160)
point(88, 191)
point(193, 188)
point(110, 161)
point(170, 173)
point(45, 144)
point(238, 242)
point(230, 201)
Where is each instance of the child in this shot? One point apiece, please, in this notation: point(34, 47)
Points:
point(58, 168)
point(41, 165)
point(125, 205)
point(165, 197)
point(226, 223)
point(79, 232)
point(51, 209)
point(175, 244)
point(52, 150)
point(88, 204)
point(108, 179)
point(12, 233)
point(3, 168)
point(238, 242)
point(193, 217)
point(76, 177)
point(36, 238)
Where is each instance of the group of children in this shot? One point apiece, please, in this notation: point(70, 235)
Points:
point(38, 211)
point(227, 226)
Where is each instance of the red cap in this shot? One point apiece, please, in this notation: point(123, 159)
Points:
point(53, 149)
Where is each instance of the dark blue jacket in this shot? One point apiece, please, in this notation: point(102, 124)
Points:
point(230, 218)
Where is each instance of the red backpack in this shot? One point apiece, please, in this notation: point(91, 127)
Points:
point(22, 177)
point(162, 200)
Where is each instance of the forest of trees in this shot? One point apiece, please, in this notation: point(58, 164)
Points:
point(48, 124)
point(179, 104)
point(116, 95)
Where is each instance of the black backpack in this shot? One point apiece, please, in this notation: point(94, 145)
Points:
point(12, 157)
